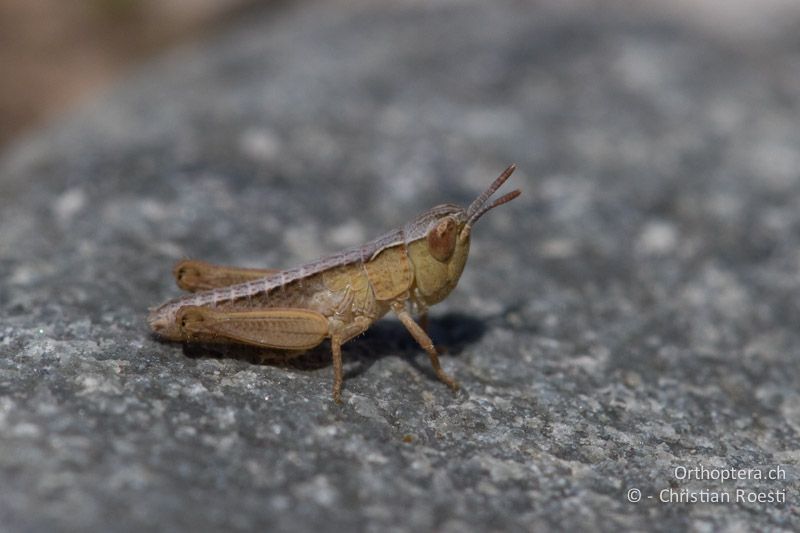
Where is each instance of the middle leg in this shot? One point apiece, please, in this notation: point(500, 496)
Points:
point(339, 335)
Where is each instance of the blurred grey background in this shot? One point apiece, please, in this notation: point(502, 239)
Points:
point(54, 54)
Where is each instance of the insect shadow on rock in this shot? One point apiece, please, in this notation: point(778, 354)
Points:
point(452, 332)
point(405, 271)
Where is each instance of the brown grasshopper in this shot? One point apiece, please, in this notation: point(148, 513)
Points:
point(337, 297)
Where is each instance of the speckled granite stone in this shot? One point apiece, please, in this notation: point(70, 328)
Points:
point(636, 310)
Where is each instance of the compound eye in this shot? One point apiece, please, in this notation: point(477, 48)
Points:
point(442, 239)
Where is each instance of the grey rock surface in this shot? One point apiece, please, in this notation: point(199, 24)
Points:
point(634, 312)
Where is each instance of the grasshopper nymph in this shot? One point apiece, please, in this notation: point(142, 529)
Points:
point(337, 297)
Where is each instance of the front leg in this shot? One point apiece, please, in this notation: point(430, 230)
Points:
point(423, 321)
point(425, 341)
